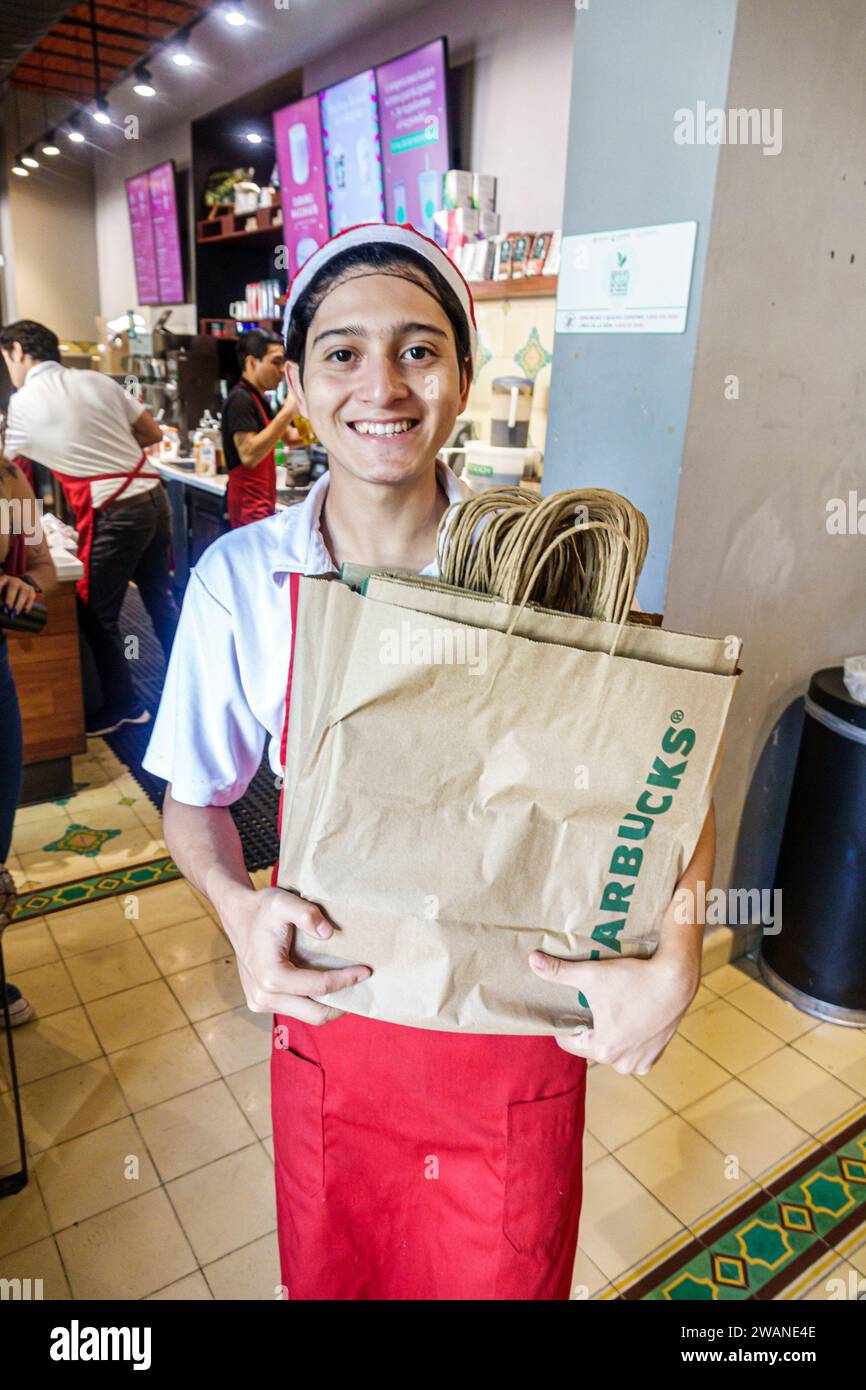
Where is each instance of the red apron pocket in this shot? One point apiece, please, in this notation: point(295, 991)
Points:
point(543, 1177)
point(297, 1102)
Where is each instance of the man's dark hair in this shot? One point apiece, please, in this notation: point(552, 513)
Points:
point(255, 344)
point(36, 340)
point(383, 258)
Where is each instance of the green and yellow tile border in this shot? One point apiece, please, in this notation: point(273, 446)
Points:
point(774, 1240)
point(55, 897)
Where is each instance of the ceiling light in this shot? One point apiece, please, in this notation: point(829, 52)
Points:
point(144, 82)
point(254, 137)
point(49, 147)
point(73, 131)
point(234, 13)
point(180, 51)
point(30, 161)
point(76, 136)
point(100, 115)
point(20, 171)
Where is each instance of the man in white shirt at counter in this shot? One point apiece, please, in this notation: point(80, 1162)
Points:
point(92, 435)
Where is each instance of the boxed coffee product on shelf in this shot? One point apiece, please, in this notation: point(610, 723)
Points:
point(551, 263)
point(502, 265)
point(462, 227)
point(521, 243)
point(484, 192)
point(457, 189)
point(538, 253)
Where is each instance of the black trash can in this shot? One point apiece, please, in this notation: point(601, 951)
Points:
point(818, 960)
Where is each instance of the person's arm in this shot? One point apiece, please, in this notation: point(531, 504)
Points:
point(207, 743)
point(637, 1004)
point(15, 592)
point(252, 448)
point(205, 845)
point(145, 430)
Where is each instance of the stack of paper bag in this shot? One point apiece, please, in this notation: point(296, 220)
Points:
point(456, 796)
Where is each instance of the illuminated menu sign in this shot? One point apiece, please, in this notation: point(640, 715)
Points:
point(413, 123)
point(166, 234)
point(156, 251)
point(303, 194)
point(353, 161)
point(143, 249)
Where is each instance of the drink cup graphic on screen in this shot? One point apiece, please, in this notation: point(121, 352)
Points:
point(429, 181)
point(299, 152)
point(306, 247)
point(400, 208)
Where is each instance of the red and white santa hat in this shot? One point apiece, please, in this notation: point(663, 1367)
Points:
point(394, 234)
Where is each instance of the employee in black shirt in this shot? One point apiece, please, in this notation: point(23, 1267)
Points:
point(251, 430)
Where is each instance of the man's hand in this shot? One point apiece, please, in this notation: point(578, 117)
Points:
point(636, 1003)
point(16, 594)
point(636, 1006)
point(260, 924)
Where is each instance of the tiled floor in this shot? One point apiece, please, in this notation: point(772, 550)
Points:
point(736, 1168)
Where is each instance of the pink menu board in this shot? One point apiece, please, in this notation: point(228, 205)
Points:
point(353, 163)
point(143, 250)
point(166, 233)
point(303, 194)
point(413, 125)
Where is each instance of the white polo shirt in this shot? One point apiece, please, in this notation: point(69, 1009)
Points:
point(76, 422)
point(225, 688)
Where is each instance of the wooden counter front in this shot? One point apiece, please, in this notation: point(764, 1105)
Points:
point(47, 671)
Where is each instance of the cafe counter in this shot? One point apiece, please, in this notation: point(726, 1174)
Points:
point(198, 512)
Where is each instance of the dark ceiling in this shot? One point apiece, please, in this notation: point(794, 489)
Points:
point(47, 46)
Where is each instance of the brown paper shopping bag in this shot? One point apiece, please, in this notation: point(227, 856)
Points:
point(641, 639)
point(456, 797)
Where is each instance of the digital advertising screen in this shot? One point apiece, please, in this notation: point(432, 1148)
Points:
point(353, 160)
point(413, 127)
point(303, 194)
point(143, 249)
point(166, 233)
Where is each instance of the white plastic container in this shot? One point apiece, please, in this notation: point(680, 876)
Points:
point(492, 465)
point(207, 446)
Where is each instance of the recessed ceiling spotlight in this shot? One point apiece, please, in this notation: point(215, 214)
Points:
point(49, 147)
point(20, 171)
point(100, 115)
point(74, 133)
point(144, 82)
point(30, 161)
point(234, 13)
point(254, 137)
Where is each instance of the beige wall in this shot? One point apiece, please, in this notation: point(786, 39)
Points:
point(751, 553)
point(52, 271)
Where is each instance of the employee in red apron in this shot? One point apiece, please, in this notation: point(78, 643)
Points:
point(92, 435)
point(410, 1164)
point(251, 430)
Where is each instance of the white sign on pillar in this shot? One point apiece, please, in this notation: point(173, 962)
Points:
point(636, 280)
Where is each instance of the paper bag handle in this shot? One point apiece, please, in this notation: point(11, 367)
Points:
point(631, 572)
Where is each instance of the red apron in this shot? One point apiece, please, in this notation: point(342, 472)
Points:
point(76, 490)
point(413, 1164)
point(252, 492)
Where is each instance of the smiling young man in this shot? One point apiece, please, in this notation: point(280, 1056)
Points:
point(409, 1164)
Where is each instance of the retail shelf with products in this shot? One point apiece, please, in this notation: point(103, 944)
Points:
point(233, 225)
point(541, 286)
point(228, 328)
